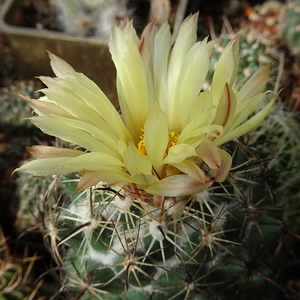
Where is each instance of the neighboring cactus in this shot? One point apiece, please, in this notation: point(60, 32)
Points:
point(254, 53)
point(96, 17)
point(265, 21)
point(292, 26)
point(278, 139)
point(33, 192)
point(260, 40)
point(81, 17)
point(14, 108)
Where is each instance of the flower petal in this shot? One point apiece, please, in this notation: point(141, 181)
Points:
point(59, 66)
point(244, 111)
point(156, 136)
point(209, 153)
point(144, 179)
point(94, 161)
point(194, 134)
point(203, 104)
point(191, 169)
point(86, 181)
point(77, 132)
point(136, 163)
point(255, 84)
point(220, 174)
point(48, 152)
point(246, 126)
point(177, 186)
point(131, 78)
point(192, 75)
point(43, 107)
point(179, 153)
point(185, 40)
point(226, 108)
point(226, 69)
point(45, 166)
point(61, 92)
point(149, 34)
point(93, 97)
point(162, 46)
point(84, 90)
point(106, 174)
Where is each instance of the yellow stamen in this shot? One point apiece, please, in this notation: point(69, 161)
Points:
point(142, 145)
point(173, 139)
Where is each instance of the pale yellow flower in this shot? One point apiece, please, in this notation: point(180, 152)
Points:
point(167, 139)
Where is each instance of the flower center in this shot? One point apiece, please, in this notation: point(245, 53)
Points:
point(173, 139)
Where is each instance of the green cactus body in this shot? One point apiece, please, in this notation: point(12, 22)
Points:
point(212, 244)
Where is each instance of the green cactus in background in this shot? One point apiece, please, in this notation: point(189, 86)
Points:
point(90, 18)
point(33, 192)
point(281, 134)
point(15, 109)
point(260, 40)
point(291, 33)
point(253, 55)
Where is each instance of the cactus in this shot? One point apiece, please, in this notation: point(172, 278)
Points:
point(33, 192)
point(119, 241)
point(217, 244)
point(95, 17)
point(281, 132)
point(265, 21)
point(254, 53)
point(291, 33)
point(79, 18)
point(260, 40)
point(220, 245)
point(14, 109)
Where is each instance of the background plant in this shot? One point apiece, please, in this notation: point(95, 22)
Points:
point(16, 274)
